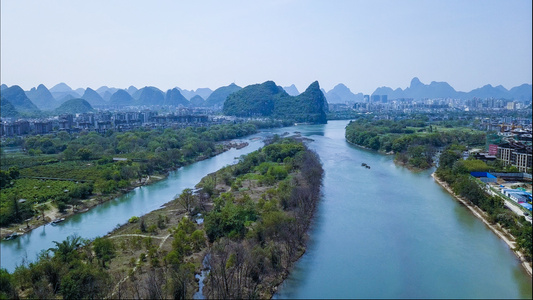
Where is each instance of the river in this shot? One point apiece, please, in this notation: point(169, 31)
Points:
point(105, 217)
point(383, 232)
point(387, 232)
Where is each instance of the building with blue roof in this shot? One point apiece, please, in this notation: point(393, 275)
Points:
point(526, 205)
point(517, 195)
point(485, 177)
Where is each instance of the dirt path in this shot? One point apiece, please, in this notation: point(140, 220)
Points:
point(481, 215)
point(140, 235)
point(138, 260)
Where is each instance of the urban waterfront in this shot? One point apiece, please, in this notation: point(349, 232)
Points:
point(383, 232)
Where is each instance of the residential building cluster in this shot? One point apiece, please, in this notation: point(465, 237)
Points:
point(380, 103)
point(515, 153)
point(108, 120)
point(512, 144)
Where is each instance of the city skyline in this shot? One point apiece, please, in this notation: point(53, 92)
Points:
point(362, 44)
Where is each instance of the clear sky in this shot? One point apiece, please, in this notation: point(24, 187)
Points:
point(191, 44)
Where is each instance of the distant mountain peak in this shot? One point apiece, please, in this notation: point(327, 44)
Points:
point(342, 94)
point(131, 90)
point(18, 98)
point(415, 82)
point(42, 97)
point(197, 101)
point(436, 89)
point(219, 96)
point(175, 98)
point(291, 90)
point(340, 85)
point(269, 100)
point(313, 86)
point(74, 106)
point(60, 87)
point(121, 98)
point(93, 97)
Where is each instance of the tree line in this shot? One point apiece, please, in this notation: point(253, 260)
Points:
point(88, 158)
point(456, 173)
point(413, 141)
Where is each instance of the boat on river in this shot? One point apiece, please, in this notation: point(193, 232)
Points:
point(12, 236)
point(57, 221)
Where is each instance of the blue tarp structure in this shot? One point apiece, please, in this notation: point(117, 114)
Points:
point(526, 205)
point(484, 176)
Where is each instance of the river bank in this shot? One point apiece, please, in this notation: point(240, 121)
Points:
point(84, 206)
point(370, 149)
point(88, 204)
point(149, 247)
point(500, 232)
point(497, 229)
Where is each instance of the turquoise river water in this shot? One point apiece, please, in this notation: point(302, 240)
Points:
point(384, 232)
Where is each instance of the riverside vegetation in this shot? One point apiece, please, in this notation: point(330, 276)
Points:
point(84, 165)
point(456, 173)
point(413, 141)
point(256, 215)
point(259, 228)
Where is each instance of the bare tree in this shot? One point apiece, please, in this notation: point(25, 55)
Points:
point(186, 200)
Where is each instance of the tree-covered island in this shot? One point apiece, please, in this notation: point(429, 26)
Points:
point(414, 142)
point(247, 224)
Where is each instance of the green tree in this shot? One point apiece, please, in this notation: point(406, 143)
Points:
point(104, 250)
point(84, 154)
point(7, 289)
point(14, 172)
point(66, 250)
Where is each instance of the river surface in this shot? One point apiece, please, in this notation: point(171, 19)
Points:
point(387, 232)
point(105, 217)
point(383, 232)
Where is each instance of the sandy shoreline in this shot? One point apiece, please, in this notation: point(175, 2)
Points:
point(496, 229)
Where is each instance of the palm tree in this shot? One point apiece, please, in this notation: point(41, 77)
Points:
point(67, 248)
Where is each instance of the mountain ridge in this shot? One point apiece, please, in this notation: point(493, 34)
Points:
point(74, 106)
point(17, 97)
point(269, 100)
point(418, 90)
point(42, 97)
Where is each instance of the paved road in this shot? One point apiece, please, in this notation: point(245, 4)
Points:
point(512, 206)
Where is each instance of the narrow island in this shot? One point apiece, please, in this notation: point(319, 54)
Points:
point(243, 227)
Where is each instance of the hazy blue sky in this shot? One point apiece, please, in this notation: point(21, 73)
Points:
point(192, 44)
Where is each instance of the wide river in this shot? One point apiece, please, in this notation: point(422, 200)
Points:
point(384, 232)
